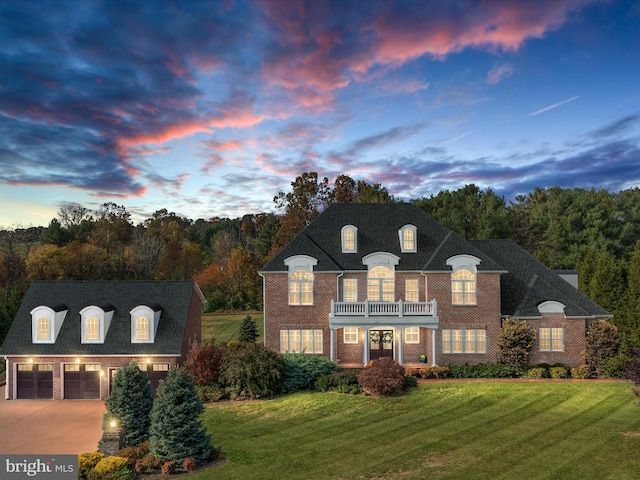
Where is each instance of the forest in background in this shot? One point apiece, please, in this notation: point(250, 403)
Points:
point(593, 231)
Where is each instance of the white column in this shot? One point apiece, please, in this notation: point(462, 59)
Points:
point(400, 351)
point(332, 348)
point(433, 347)
point(365, 345)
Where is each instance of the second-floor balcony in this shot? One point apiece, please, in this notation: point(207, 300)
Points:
point(383, 313)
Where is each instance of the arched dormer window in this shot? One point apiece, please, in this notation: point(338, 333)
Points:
point(300, 279)
point(144, 323)
point(408, 239)
point(96, 320)
point(349, 235)
point(463, 279)
point(46, 323)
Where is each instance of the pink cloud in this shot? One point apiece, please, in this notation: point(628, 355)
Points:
point(223, 146)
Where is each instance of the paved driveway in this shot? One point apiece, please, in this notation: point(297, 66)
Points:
point(50, 426)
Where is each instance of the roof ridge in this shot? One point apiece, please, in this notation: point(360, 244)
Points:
point(435, 252)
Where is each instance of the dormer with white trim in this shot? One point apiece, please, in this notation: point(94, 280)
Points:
point(551, 306)
point(349, 239)
point(46, 323)
point(144, 323)
point(408, 239)
point(95, 321)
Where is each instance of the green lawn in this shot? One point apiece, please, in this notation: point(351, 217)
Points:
point(225, 327)
point(470, 430)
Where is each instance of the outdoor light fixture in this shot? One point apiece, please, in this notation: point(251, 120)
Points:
point(148, 360)
point(77, 360)
point(31, 360)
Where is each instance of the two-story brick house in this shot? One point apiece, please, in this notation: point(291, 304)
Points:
point(365, 281)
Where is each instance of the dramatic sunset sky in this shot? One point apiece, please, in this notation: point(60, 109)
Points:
point(209, 108)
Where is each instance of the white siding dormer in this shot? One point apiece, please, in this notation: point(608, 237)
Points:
point(95, 322)
point(46, 323)
point(349, 239)
point(144, 323)
point(408, 239)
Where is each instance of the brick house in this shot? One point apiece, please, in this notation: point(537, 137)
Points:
point(69, 338)
point(365, 281)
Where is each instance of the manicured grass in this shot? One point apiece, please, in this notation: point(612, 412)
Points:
point(483, 430)
point(225, 327)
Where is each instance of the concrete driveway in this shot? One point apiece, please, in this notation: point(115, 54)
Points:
point(50, 426)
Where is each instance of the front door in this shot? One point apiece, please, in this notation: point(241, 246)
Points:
point(380, 344)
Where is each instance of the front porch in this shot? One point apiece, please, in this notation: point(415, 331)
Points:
point(381, 328)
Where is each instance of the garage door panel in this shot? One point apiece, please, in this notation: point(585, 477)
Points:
point(80, 383)
point(34, 381)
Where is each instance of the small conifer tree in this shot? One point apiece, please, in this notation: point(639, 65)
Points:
point(176, 433)
point(248, 330)
point(130, 402)
point(516, 342)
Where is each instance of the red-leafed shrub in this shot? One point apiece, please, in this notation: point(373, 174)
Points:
point(189, 464)
point(383, 377)
point(168, 468)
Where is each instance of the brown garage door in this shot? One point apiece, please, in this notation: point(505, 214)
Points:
point(81, 381)
point(34, 381)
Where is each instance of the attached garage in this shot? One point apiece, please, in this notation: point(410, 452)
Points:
point(34, 381)
point(81, 381)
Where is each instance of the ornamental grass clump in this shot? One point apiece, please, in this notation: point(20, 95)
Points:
point(383, 377)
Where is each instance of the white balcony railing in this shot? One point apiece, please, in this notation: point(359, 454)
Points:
point(386, 309)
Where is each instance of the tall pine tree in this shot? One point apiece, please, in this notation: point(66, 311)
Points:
point(248, 330)
point(176, 433)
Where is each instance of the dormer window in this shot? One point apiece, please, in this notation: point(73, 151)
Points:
point(349, 239)
point(96, 320)
point(144, 323)
point(46, 323)
point(408, 239)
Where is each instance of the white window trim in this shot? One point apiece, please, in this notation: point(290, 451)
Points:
point(411, 331)
point(154, 319)
point(318, 349)
point(304, 263)
point(403, 247)
point(464, 262)
point(417, 289)
point(55, 323)
point(350, 341)
point(344, 289)
point(104, 321)
point(343, 231)
point(464, 341)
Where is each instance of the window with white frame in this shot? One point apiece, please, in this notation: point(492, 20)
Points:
point(463, 287)
point(95, 321)
point(411, 290)
point(46, 323)
point(412, 335)
point(304, 340)
point(464, 341)
point(551, 339)
point(408, 239)
point(92, 328)
point(350, 290)
point(43, 329)
point(301, 288)
point(349, 239)
point(381, 284)
point(350, 334)
point(142, 328)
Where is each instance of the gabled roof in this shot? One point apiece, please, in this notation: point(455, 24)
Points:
point(529, 283)
point(378, 226)
point(173, 296)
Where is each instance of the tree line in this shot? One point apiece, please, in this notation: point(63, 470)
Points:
point(593, 231)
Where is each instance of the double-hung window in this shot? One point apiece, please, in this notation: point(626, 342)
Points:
point(551, 339)
point(301, 288)
point(304, 340)
point(411, 290)
point(464, 341)
point(463, 287)
point(350, 290)
point(412, 335)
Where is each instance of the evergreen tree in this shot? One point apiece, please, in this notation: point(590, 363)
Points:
point(516, 342)
point(176, 433)
point(130, 402)
point(248, 330)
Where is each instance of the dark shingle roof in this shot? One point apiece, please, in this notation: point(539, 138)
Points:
point(378, 226)
point(529, 283)
point(173, 296)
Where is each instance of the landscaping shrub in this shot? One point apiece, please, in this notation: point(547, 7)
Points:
point(384, 377)
point(559, 372)
point(189, 464)
point(302, 370)
point(203, 363)
point(581, 372)
point(342, 381)
point(434, 372)
point(633, 368)
point(209, 393)
point(86, 462)
point(410, 382)
point(176, 433)
point(168, 468)
point(537, 372)
point(482, 370)
point(516, 342)
point(148, 464)
point(130, 402)
point(248, 330)
point(614, 366)
point(133, 454)
point(250, 370)
point(603, 342)
point(111, 468)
